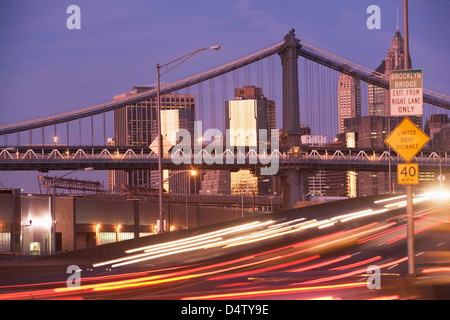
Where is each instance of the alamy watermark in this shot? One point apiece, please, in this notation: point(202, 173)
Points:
point(74, 280)
point(374, 20)
point(74, 20)
point(374, 280)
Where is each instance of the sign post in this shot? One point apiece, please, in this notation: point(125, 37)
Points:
point(406, 99)
point(407, 139)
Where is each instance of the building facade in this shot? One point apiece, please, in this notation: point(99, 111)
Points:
point(343, 184)
point(245, 115)
point(437, 127)
point(371, 131)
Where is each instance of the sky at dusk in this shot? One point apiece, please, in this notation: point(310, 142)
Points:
point(47, 69)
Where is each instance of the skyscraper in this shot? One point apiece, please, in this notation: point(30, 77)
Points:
point(376, 94)
point(349, 99)
point(136, 125)
point(248, 112)
point(349, 107)
point(438, 128)
point(379, 103)
point(371, 132)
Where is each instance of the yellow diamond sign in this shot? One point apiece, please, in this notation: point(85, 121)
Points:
point(407, 139)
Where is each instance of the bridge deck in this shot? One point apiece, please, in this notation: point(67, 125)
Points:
point(44, 158)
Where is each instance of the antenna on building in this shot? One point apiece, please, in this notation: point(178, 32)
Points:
point(397, 17)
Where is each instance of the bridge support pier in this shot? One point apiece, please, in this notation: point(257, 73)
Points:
point(294, 184)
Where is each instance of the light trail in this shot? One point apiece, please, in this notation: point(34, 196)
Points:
point(321, 264)
point(262, 270)
point(349, 274)
point(389, 199)
point(218, 233)
point(357, 264)
point(436, 270)
point(179, 246)
point(259, 293)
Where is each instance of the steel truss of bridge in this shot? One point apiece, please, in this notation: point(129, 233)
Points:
point(45, 158)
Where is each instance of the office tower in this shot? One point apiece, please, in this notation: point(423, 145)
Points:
point(374, 129)
point(349, 107)
point(371, 132)
point(349, 99)
point(136, 125)
point(395, 56)
point(317, 180)
point(248, 112)
point(379, 98)
point(215, 182)
point(376, 94)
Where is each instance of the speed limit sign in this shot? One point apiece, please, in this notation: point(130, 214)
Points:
point(408, 173)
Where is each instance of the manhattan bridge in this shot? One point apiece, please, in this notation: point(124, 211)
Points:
point(308, 81)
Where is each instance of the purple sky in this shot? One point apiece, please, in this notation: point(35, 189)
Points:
point(47, 69)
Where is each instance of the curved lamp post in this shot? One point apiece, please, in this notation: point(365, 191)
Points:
point(177, 62)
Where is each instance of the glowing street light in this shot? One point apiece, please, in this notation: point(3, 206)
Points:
point(97, 231)
point(118, 231)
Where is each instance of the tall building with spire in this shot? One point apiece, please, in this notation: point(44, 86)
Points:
point(373, 129)
point(379, 104)
point(395, 56)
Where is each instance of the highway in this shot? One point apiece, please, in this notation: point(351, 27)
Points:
point(318, 252)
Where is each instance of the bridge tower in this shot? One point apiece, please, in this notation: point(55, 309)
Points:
point(293, 181)
point(291, 105)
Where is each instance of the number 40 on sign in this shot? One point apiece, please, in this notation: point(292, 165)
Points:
point(408, 174)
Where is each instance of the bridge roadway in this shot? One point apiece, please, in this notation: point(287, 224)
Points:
point(50, 157)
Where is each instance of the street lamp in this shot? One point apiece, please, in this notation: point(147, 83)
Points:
point(191, 173)
point(242, 198)
point(118, 227)
point(97, 233)
point(178, 61)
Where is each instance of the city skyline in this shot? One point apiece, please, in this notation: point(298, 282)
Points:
point(64, 71)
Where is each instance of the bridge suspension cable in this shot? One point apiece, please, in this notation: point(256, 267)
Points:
point(131, 99)
point(304, 49)
point(370, 76)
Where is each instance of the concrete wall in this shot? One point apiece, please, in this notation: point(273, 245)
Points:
point(77, 218)
point(65, 222)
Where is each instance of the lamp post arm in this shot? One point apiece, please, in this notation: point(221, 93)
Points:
point(184, 58)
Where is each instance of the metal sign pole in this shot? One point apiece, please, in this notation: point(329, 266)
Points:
point(409, 188)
